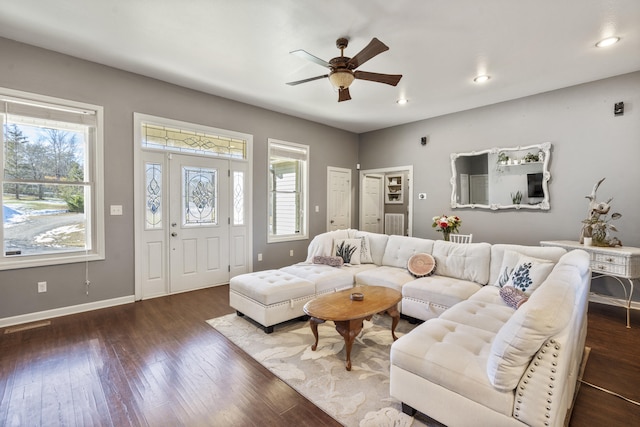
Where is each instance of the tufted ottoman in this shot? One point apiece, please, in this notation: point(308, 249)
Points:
point(270, 297)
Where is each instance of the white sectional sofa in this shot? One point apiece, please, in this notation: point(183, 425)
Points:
point(475, 360)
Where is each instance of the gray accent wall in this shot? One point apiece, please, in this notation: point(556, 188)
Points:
point(121, 93)
point(588, 143)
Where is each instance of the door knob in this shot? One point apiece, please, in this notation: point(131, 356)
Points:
point(174, 234)
point(173, 224)
point(332, 221)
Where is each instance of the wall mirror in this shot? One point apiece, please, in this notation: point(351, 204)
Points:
point(502, 178)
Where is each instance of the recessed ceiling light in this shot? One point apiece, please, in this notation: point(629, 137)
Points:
point(402, 101)
point(481, 79)
point(609, 41)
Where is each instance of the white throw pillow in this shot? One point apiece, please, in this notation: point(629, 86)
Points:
point(365, 251)
point(348, 249)
point(523, 272)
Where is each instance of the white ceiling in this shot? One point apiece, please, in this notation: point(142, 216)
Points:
point(239, 49)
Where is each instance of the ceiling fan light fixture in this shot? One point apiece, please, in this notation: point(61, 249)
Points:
point(341, 79)
point(609, 41)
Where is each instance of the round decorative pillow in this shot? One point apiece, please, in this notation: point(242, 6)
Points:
point(421, 265)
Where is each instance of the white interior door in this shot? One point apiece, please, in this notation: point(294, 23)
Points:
point(199, 219)
point(372, 206)
point(338, 198)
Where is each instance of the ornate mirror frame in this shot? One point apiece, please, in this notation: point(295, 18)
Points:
point(520, 161)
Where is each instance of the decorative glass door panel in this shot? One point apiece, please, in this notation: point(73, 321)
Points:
point(199, 194)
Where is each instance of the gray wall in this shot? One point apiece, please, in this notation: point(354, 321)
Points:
point(588, 143)
point(121, 93)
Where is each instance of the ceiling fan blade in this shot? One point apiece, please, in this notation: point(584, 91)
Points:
point(390, 79)
point(306, 55)
point(375, 47)
point(308, 80)
point(343, 94)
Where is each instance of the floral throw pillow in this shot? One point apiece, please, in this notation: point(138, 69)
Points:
point(529, 273)
point(349, 250)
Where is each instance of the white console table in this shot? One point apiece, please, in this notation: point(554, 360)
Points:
point(619, 263)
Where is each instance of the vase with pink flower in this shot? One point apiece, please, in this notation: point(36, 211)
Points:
point(446, 224)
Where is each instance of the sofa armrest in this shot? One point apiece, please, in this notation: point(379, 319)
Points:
point(542, 392)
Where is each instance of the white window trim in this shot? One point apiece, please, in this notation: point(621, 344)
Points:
point(305, 202)
point(96, 157)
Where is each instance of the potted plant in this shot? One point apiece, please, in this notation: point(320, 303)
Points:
point(503, 159)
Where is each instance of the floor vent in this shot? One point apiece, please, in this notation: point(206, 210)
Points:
point(27, 326)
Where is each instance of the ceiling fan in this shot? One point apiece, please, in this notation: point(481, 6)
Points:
point(343, 69)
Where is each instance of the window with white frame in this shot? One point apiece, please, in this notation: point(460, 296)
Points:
point(288, 195)
point(51, 181)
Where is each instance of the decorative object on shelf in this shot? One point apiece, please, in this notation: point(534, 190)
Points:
point(530, 157)
point(446, 224)
point(517, 197)
point(503, 159)
point(597, 225)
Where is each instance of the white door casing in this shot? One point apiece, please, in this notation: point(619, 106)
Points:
point(218, 254)
point(338, 198)
point(408, 193)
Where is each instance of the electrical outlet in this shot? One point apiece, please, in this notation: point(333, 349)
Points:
point(259, 257)
point(291, 252)
point(42, 287)
point(116, 209)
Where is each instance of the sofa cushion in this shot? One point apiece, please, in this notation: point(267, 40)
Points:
point(391, 277)
point(479, 314)
point(377, 244)
point(365, 250)
point(440, 290)
point(400, 248)
point(332, 261)
point(323, 277)
point(467, 262)
point(547, 312)
point(453, 356)
point(322, 244)
point(498, 250)
point(513, 297)
point(348, 249)
point(421, 265)
point(523, 272)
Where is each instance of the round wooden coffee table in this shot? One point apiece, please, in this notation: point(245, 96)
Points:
point(348, 315)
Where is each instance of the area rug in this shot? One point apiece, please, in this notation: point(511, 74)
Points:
point(359, 397)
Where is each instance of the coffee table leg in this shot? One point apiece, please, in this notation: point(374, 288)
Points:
point(395, 316)
point(314, 322)
point(349, 329)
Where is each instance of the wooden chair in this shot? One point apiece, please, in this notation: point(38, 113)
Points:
point(460, 238)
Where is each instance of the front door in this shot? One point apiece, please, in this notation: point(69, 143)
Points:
point(199, 222)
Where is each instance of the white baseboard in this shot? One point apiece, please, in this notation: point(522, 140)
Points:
point(600, 299)
point(64, 311)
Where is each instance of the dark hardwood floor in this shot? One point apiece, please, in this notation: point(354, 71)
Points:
point(157, 363)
